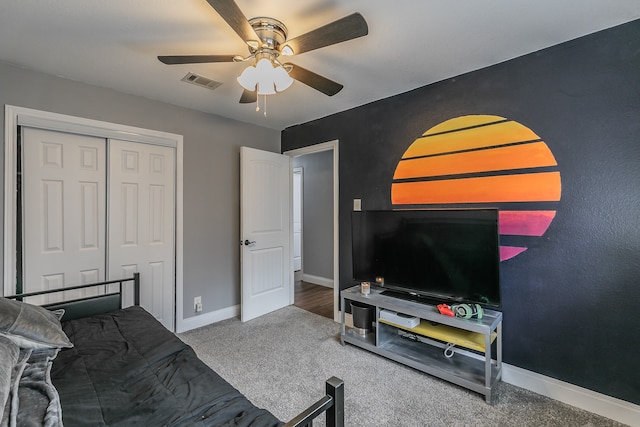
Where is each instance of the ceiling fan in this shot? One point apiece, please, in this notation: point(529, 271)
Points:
point(267, 41)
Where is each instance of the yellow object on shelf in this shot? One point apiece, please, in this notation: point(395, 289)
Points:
point(448, 334)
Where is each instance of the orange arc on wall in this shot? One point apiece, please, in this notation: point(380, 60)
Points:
point(529, 187)
point(503, 158)
point(488, 135)
point(482, 159)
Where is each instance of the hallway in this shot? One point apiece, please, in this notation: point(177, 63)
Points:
point(314, 298)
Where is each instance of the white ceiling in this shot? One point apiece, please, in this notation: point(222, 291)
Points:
point(411, 43)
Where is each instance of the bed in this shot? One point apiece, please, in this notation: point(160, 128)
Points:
point(91, 362)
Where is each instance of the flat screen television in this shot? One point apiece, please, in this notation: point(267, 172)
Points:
point(450, 256)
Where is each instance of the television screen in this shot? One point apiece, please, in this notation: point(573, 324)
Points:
point(449, 256)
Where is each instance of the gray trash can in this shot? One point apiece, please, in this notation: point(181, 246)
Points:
point(362, 317)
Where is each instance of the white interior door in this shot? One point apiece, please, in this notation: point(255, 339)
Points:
point(64, 193)
point(142, 223)
point(265, 232)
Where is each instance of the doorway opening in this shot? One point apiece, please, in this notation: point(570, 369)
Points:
point(316, 282)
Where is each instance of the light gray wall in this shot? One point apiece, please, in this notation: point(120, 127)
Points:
point(211, 169)
point(317, 211)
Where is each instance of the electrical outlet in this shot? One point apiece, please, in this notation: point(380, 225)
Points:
point(197, 304)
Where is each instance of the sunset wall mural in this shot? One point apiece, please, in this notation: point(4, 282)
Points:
point(480, 161)
point(557, 153)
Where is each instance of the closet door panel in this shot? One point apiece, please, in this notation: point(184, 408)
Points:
point(142, 222)
point(64, 216)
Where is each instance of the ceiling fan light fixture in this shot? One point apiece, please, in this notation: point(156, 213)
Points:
point(266, 77)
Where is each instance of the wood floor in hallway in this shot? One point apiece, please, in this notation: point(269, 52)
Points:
point(314, 298)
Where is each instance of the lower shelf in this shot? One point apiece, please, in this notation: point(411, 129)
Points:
point(353, 337)
point(460, 369)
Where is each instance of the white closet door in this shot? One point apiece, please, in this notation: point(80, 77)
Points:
point(64, 193)
point(142, 222)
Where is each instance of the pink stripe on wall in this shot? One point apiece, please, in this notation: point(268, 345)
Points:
point(508, 252)
point(525, 223)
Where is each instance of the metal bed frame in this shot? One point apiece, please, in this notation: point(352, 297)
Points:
point(96, 304)
point(332, 403)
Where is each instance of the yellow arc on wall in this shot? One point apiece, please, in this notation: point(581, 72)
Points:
point(480, 161)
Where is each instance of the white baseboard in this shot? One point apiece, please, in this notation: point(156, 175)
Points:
point(601, 404)
point(317, 280)
point(208, 318)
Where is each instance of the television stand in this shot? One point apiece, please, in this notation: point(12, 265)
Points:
point(451, 348)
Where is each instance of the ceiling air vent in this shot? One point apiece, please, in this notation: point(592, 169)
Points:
point(201, 81)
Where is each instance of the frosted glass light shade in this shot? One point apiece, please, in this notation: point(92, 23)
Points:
point(281, 79)
point(248, 79)
point(264, 71)
point(266, 77)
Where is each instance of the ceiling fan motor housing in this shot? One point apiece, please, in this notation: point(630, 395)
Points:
point(272, 32)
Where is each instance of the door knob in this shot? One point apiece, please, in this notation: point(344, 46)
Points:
point(248, 242)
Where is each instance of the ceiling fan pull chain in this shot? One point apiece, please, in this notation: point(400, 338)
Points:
point(265, 105)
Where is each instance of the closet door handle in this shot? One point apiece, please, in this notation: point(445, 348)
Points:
point(247, 242)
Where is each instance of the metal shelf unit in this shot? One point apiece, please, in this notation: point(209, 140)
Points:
point(474, 368)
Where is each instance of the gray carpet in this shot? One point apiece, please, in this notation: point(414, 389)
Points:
point(280, 361)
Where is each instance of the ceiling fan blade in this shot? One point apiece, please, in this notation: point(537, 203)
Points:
point(231, 13)
point(194, 59)
point(347, 28)
point(248, 97)
point(316, 81)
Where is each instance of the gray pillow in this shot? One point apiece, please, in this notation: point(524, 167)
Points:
point(31, 326)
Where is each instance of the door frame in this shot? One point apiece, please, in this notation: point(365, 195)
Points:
point(317, 148)
point(19, 116)
point(300, 197)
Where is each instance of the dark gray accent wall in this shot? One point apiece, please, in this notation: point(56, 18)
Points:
point(317, 213)
point(211, 169)
point(569, 301)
